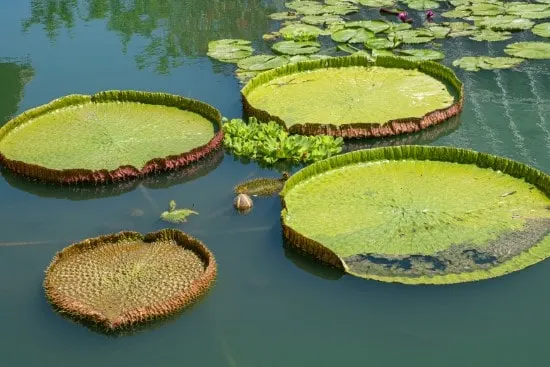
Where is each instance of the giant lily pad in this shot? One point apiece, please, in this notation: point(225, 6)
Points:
point(229, 50)
point(296, 48)
point(529, 50)
point(110, 136)
point(542, 30)
point(125, 279)
point(420, 214)
point(342, 96)
point(476, 63)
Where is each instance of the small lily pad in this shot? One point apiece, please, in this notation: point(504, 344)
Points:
point(347, 48)
point(486, 9)
point(476, 63)
point(379, 52)
point(440, 31)
point(245, 75)
point(322, 19)
point(529, 11)
point(542, 30)
point(457, 13)
point(285, 15)
point(421, 55)
point(300, 32)
point(296, 48)
point(504, 23)
point(422, 4)
point(461, 29)
point(352, 35)
point(340, 9)
point(490, 35)
point(262, 62)
point(375, 26)
point(377, 3)
point(415, 36)
point(529, 50)
point(380, 43)
point(229, 50)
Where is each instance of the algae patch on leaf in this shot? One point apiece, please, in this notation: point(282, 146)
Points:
point(420, 214)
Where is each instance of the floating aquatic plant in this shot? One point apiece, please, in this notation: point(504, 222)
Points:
point(340, 96)
point(419, 214)
point(296, 47)
point(125, 279)
point(229, 50)
point(529, 50)
point(109, 136)
point(476, 63)
point(262, 186)
point(269, 142)
point(243, 203)
point(542, 29)
point(174, 215)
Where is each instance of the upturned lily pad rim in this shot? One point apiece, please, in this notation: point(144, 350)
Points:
point(125, 172)
point(132, 318)
point(360, 130)
point(507, 166)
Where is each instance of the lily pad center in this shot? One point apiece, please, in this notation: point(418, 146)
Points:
point(349, 95)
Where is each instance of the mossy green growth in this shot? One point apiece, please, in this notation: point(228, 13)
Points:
point(348, 95)
point(174, 215)
point(104, 132)
point(269, 142)
point(262, 186)
point(415, 214)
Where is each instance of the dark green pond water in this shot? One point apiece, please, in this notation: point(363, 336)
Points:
point(270, 306)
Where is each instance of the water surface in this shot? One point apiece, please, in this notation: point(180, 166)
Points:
point(270, 306)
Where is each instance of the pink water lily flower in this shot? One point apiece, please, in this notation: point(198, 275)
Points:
point(403, 16)
point(430, 14)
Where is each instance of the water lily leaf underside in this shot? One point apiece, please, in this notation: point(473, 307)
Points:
point(350, 95)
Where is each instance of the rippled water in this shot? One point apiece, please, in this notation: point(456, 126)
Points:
point(270, 306)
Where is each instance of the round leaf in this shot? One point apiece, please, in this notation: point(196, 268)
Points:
point(421, 55)
point(262, 62)
point(300, 32)
point(229, 50)
point(529, 50)
point(296, 48)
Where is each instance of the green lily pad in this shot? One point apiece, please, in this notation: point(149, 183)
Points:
point(485, 9)
point(348, 90)
point(296, 48)
point(322, 19)
point(109, 131)
point(529, 11)
point(440, 31)
point(419, 214)
point(415, 36)
point(421, 55)
point(300, 32)
point(504, 23)
point(245, 75)
point(529, 50)
point(380, 43)
point(490, 35)
point(352, 35)
point(347, 48)
point(461, 29)
point(340, 9)
point(375, 26)
point(542, 30)
point(422, 4)
point(396, 27)
point(174, 215)
point(476, 63)
point(262, 62)
point(377, 3)
point(376, 52)
point(285, 15)
point(229, 50)
point(306, 7)
point(457, 13)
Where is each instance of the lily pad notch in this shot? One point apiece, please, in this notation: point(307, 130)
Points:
point(356, 129)
point(151, 277)
point(211, 119)
point(394, 236)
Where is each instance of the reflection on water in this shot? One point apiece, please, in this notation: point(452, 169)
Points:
point(174, 29)
point(14, 75)
point(87, 192)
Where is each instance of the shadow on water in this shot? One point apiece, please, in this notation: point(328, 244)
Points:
point(88, 192)
point(426, 136)
point(308, 264)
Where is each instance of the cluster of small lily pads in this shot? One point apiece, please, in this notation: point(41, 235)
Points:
point(269, 142)
point(307, 21)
